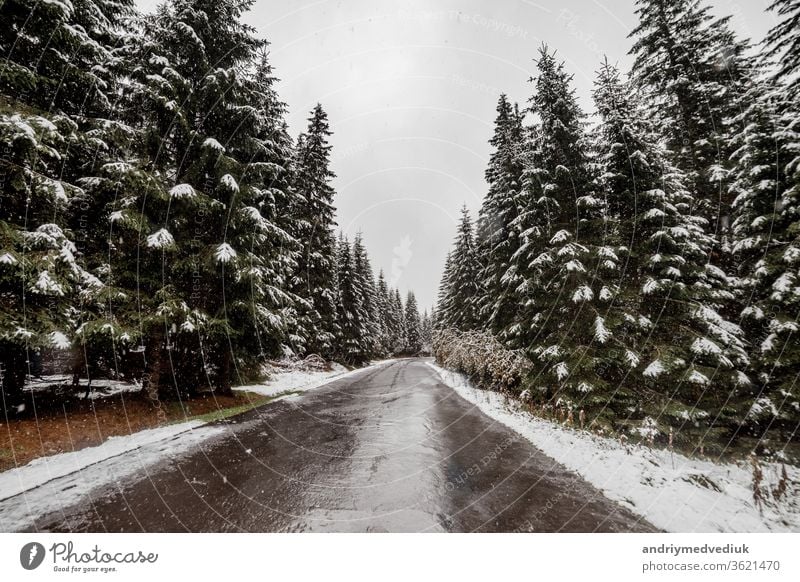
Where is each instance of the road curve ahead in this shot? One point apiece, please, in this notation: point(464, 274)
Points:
point(388, 449)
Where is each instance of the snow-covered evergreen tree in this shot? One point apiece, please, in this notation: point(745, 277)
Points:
point(386, 324)
point(58, 92)
point(687, 363)
point(563, 321)
point(372, 322)
point(497, 236)
point(459, 307)
point(426, 332)
point(207, 289)
point(314, 279)
point(783, 45)
point(352, 339)
point(443, 295)
point(399, 337)
point(691, 67)
point(41, 276)
point(767, 249)
point(57, 55)
point(413, 329)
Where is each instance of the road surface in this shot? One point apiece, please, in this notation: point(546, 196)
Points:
point(389, 449)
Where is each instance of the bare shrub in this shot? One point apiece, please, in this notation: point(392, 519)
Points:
point(483, 358)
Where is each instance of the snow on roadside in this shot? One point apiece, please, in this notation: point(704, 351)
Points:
point(101, 388)
point(49, 483)
point(295, 381)
point(672, 491)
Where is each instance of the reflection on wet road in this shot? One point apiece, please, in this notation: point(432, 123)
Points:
point(389, 449)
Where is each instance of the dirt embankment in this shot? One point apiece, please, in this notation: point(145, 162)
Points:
point(53, 427)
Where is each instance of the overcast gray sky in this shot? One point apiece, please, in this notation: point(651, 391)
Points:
point(410, 88)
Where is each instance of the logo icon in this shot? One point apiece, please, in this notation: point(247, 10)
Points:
point(31, 555)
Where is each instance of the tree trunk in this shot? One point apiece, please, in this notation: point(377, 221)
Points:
point(153, 357)
point(13, 368)
point(224, 379)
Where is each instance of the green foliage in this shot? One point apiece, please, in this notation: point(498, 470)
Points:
point(157, 218)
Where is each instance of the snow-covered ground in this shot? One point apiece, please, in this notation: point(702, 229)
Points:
point(672, 491)
point(49, 483)
point(295, 380)
point(101, 388)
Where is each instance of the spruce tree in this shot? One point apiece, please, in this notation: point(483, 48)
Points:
point(443, 296)
point(686, 362)
point(426, 332)
point(386, 324)
point(57, 55)
point(201, 250)
point(691, 67)
point(413, 330)
point(767, 250)
point(562, 321)
point(372, 325)
point(351, 341)
point(41, 275)
point(314, 279)
point(783, 45)
point(497, 236)
point(400, 338)
point(57, 93)
point(460, 306)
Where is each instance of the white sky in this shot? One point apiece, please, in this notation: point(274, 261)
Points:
point(410, 88)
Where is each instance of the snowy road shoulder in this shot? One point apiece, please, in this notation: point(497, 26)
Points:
point(672, 491)
point(49, 483)
point(304, 380)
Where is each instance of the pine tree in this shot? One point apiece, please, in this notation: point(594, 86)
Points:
point(767, 249)
point(497, 237)
point(413, 331)
point(426, 332)
point(691, 67)
point(459, 309)
point(686, 362)
point(783, 44)
point(352, 342)
point(563, 321)
point(315, 276)
point(443, 305)
point(400, 338)
point(372, 322)
point(57, 54)
point(59, 92)
point(386, 325)
point(206, 281)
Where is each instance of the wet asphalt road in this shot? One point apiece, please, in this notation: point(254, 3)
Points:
point(389, 449)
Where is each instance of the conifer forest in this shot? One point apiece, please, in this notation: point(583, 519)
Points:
point(181, 258)
point(158, 221)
